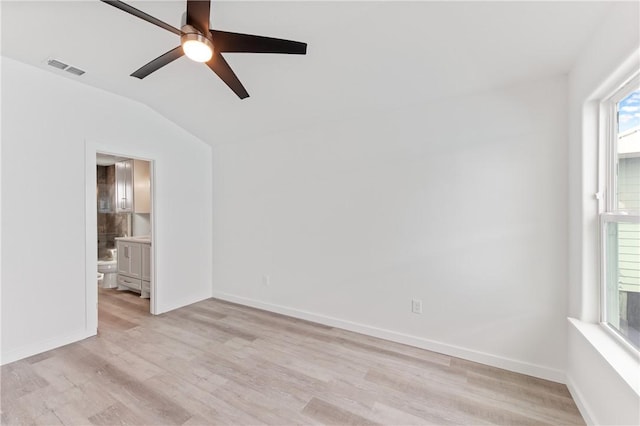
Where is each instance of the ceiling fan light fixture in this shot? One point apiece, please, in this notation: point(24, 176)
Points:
point(196, 46)
point(198, 39)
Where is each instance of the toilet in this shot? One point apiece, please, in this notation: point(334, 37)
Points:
point(108, 267)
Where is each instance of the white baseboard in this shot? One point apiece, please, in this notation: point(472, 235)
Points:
point(43, 346)
point(584, 409)
point(407, 339)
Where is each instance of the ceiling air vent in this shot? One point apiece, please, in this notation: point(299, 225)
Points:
point(74, 70)
point(57, 64)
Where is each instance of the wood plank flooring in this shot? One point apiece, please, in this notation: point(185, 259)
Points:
point(219, 363)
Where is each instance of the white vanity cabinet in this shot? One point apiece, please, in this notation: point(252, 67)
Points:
point(146, 270)
point(129, 259)
point(146, 262)
point(133, 187)
point(134, 265)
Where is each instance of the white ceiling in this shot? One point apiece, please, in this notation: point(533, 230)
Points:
point(362, 56)
point(108, 159)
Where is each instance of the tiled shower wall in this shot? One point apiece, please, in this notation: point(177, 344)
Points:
point(110, 223)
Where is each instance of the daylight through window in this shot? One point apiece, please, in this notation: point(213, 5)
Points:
point(621, 220)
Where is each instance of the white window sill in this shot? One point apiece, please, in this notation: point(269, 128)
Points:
point(622, 360)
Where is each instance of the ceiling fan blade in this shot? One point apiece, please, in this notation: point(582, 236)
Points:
point(224, 71)
point(158, 62)
point(225, 41)
point(198, 12)
point(140, 14)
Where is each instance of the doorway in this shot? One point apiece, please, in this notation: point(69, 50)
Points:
point(124, 239)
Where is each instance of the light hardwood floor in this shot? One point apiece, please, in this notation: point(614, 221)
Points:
point(219, 363)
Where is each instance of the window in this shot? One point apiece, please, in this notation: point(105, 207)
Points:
point(620, 220)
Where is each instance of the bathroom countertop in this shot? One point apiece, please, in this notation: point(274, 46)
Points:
point(144, 239)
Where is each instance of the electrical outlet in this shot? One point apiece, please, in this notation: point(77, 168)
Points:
point(416, 306)
point(266, 280)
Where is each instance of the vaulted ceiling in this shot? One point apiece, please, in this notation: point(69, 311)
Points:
point(362, 56)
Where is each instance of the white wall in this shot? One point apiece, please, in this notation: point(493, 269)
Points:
point(140, 224)
point(461, 203)
point(51, 129)
point(611, 53)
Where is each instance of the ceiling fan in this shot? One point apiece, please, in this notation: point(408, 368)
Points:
point(202, 44)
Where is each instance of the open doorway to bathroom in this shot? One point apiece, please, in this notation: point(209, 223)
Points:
point(124, 240)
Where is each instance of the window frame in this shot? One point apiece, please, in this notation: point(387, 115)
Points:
point(607, 217)
point(611, 141)
point(608, 207)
